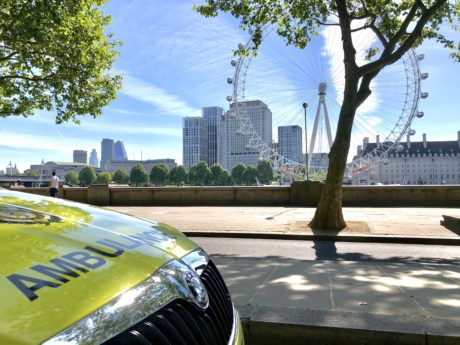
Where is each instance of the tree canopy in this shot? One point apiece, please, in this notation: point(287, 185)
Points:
point(265, 171)
point(120, 176)
point(87, 176)
point(397, 27)
point(178, 175)
point(199, 174)
point(72, 178)
point(104, 177)
point(55, 55)
point(159, 174)
point(238, 173)
point(138, 175)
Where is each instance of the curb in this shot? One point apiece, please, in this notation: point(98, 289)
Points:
point(274, 326)
point(445, 241)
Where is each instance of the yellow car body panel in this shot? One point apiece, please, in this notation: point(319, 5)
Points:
point(104, 254)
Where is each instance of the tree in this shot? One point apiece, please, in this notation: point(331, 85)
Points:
point(120, 176)
point(218, 176)
point(31, 172)
point(238, 173)
point(397, 25)
point(56, 55)
point(265, 171)
point(250, 175)
point(159, 174)
point(72, 178)
point(87, 176)
point(178, 175)
point(199, 174)
point(225, 178)
point(138, 175)
point(104, 178)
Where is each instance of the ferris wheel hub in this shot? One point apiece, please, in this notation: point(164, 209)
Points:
point(322, 89)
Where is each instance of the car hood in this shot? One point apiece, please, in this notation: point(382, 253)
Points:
point(61, 261)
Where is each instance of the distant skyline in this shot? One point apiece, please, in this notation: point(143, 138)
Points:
point(176, 62)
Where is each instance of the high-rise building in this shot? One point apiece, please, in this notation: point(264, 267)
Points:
point(211, 116)
point(93, 158)
point(233, 145)
point(80, 156)
point(194, 140)
point(107, 151)
point(120, 152)
point(290, 142)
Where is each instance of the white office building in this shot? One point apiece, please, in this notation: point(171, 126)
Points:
point(233, 147)
point(422, 162)
point(212, 116)
point(194, 141)
point(290, 142)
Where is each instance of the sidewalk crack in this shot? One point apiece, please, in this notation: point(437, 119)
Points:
point(331, 289)
point(426, 312)
point(264, 283)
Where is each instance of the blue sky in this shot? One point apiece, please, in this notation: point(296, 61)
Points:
point(175, 62)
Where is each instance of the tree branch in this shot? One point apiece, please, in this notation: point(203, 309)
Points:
point(379, 34)
point(8, 57)
point(32, 78)
point(388, 56)
point(403, 29)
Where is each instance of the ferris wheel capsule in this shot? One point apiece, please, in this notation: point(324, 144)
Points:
point(420, 57)
point(233, 63)
point(229, 98)
point(424, 76)
point(424, 95)
point(229, 80)
point(412, 132)
point(420, 114)
point(399, 148)
point(241, 46)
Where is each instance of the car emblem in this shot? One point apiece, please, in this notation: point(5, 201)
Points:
point(199, 293)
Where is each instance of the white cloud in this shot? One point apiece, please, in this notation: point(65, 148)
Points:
point(160, 98)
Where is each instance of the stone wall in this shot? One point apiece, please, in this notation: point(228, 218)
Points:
point(298, 194)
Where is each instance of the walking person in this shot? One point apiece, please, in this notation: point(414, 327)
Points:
point(54, 184)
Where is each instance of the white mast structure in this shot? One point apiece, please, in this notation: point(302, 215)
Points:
point(321, 104)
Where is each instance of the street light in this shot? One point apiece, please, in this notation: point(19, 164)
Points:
point(305, 105)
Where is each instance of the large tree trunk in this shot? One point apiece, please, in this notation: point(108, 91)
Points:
point(328, 215)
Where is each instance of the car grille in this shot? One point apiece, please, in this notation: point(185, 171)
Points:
point(181, 323)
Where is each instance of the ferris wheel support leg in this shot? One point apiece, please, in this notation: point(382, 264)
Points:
point(314, 133)
point(328, 125)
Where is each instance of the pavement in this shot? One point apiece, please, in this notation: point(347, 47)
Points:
point(337, 301)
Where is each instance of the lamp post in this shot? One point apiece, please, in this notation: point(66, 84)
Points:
point(305, 105)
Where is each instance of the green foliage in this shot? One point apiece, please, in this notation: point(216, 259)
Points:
point(56, 55)
point(225, 178)
point(104, 178)
point(178, 175)
point(199, 174)
point(396, 24)
point(159, 174)
point(219, 176)
point(72, 178)
point(250, 175)
point(138, 175)
point(120, 176)
point(238, 173)
point(31, 172)
point(265, 171)
point(87, 176)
